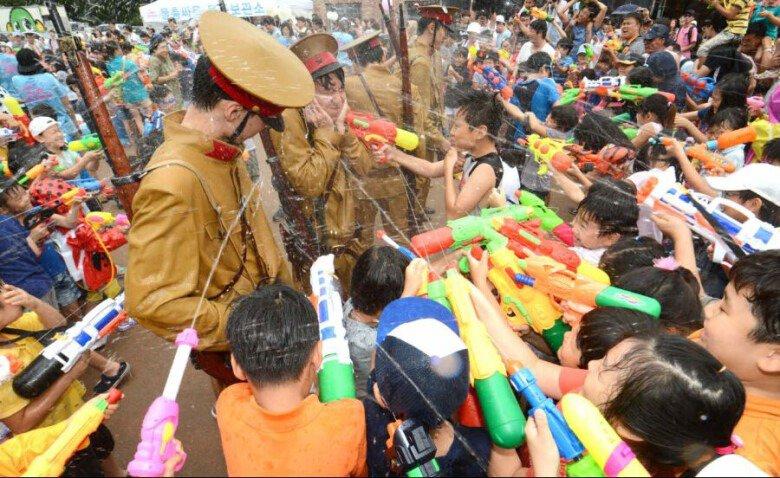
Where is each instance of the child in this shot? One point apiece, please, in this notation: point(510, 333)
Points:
point(675, 288)
point(62, 398)
point(457, 81)
point(731, 91)
point(474, 132)
point(737, 15)
point(377, 280)
point(654, 115)
point(563, 61)
point(272, 424)
point(628, 254)
point(743, 331)
point(421, 372)
point(608, 213)
point(772, 152)
point(70, 166)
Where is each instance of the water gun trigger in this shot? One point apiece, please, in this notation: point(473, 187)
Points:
point(374, 139)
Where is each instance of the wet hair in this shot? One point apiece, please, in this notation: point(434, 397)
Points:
point(423, 23)
point(733, 89)
point(663, 109)
point(327, 82)
point(205, 92)
point(539, 26)
point(43, 109)
point(377, 279)
point(480, 108)
point(642, 76)
point(612, 205)
point(6, 192)
point(111, 48)
point(654, 151)
point(272, 332)
point(565, 117)
point(730, 118)
point(604, 327)
point(462, 51)
point(158, 93)
point(596, 131)
point(769, 212)
point(757, 29)
point(565, 43)
point(772, 151)
point(369, 55)
point(677, 291)
point(630, 253)
point(640, 19)
point(677, 399)
point(757, 276)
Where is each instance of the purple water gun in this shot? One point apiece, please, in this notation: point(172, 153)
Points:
point(162, 418)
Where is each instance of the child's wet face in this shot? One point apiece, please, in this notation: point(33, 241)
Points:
point(461, 134)
point(603, 377)
point(569, 354)
point(586, 233)
point(18, 200)
point(52, 137)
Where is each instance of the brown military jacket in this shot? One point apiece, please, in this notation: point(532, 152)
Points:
point(184, 209)
point(384, 181)
point(311, 159)
point(426, 74)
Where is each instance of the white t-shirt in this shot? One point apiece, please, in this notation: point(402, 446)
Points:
point(731, 465)
point(527, 50)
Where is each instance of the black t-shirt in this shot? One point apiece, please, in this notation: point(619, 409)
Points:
point(491, 159)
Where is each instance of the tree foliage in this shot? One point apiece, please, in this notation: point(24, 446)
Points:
point(94, 12)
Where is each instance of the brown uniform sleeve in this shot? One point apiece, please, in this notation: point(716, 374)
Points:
point(420, 75)
point(360, 159)
point(165, 303)
point(307, 166)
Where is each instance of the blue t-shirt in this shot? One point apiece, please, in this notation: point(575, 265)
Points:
point(18, 264)
point(771, 28)
point(343, 38)
point(133, 90)
point(578, 39)
point(45, 88)
point(51, 260)
point(538, 95)
point(8, 67)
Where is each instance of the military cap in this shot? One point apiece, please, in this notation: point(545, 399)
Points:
point(251, 67)
point(363, 44)
point(441, 13)
point(318, 53)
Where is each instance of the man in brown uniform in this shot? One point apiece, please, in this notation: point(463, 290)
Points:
point(382, 192)
point(200, 238)
point(318, 160)
point(426, 72)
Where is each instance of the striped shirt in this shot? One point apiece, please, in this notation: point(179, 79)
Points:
point(738, 26)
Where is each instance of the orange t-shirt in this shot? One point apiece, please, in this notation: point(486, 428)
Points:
point(759, 428)
point(314, 439)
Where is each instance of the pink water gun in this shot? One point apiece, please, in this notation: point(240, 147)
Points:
point(162, 418)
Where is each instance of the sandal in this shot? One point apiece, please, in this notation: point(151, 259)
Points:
point(106, 382)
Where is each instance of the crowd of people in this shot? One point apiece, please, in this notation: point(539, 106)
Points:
point(644, 150)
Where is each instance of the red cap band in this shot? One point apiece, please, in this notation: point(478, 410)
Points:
point(248, 101)
point(443, 17)
point(374, 42)
point(320, 60)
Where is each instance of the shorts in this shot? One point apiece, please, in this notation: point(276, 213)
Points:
point(66, 289)
point(216, 365)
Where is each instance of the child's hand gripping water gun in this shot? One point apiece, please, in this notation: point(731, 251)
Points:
point(547, 151)
point(336, 374)
point(636, 93)
point(24, 177)
point(377, 131)
point(504, 419)
point(578, 462)
point(117, 79)
point(411, 450)
point(80, 425)
point(553, 278)
point(612, 454)
point(13, 107)
point(158, 429)
point(42, 212)
point(497, 82)
point(90, 142)
point(60, 356)
point(550, 221)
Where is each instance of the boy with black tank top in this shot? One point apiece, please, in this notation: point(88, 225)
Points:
point(474, 154)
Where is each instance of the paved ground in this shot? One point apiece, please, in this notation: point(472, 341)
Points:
point(150, 357)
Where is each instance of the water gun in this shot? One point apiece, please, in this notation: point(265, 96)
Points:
point(15, 109)
point(612, 454)
point(382, 236)
point(571, 449)
point(630, 132)
point(699, 88)
point(672, 198)
point(540, 14)
point(550, 221)
point(702, 152)
point(547, 151)
point(88, 184)
point(614, 44)
point(8, 367)
point(42, 212)
point(437, 291)
point(570, 95)
point(80, 425)
point(496, 81)
point(114, 80)
point(378, 131)
point(603, 83)
point(522, 304)
point(35, 171)
point(60, 356)
point(90, 142)
point(98, 219)
point(336, 374)
point(622, 118)
point(765, 131)
point(162, 418)
point(608, 161)
point(5, 170)
point(553, 278)
point(636, 93)
point(411, 450)
point(504, 419)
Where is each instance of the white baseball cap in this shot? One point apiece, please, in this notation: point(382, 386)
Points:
point(761, 178)
point(500, 19)
point(474, 27)
point(39, 124)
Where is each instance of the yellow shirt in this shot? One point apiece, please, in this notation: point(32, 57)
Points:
point(17, 453)
point(739, 24)
point(25, 352)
